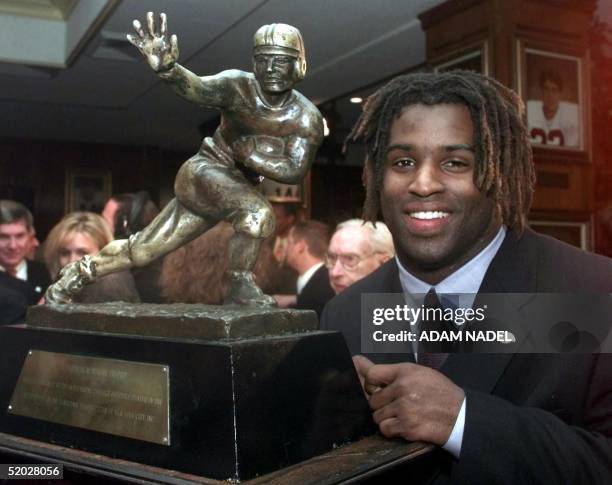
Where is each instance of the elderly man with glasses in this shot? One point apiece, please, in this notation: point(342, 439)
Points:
point(356, 249)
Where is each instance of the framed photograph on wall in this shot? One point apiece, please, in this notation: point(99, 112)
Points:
point(577, 233)
point(553, 87)
point(474, 58)
point(285, 193)
point(87, 190)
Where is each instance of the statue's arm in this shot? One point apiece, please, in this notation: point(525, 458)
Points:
point(210, 91)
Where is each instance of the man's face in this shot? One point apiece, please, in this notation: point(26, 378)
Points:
point(274, 72)
point(14, 243)
point(437, 216)
point(551, 96)
point(351, 257)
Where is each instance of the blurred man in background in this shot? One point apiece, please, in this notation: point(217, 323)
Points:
point(306, 248)
point(29, 278)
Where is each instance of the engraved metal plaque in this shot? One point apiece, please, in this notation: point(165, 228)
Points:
point(109, 395)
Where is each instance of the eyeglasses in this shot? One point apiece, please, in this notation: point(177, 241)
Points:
point(348, 261)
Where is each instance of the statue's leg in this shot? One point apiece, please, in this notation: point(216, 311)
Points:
point(224, 193)
point(174, 226)
point(241, 286)
point(253, 221)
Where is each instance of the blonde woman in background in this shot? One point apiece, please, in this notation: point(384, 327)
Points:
point(79, 234)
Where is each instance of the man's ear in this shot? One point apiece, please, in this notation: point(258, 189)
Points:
point(383, 258)
point(302, 246)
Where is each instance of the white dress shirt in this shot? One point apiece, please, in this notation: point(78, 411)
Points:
point(465, 281)
point(304, 278)
point(21, 272)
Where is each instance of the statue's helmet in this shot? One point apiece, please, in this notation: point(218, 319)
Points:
point(281, 39)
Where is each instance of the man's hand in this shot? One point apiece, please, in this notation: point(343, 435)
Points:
point(161, 52)
point(362, 366)
point(410, 401)
point(285, 301)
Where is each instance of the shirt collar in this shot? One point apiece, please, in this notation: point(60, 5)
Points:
point(21, 271)
point(304, 278)
point(466, 280)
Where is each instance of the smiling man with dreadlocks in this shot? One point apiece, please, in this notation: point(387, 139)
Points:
point(450, 167)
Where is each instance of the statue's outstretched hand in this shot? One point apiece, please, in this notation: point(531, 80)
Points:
point(160, 50)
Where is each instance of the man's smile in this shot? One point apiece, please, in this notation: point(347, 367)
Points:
point(426, 223)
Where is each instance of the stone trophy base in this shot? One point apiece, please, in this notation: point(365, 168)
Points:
point(224, 392)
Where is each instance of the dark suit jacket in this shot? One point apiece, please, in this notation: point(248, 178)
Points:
point(530, 418)
point(35, 286)
point(38, 280)
point(316, 293)
point(13, 304)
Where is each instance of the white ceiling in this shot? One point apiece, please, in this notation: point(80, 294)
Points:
point(109, 95)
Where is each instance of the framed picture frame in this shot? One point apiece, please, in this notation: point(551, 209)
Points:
point(472, 58)
point(87, 190)
point(554, 84)
point(576, 233)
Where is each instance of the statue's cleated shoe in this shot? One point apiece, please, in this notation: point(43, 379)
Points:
point(242, 290)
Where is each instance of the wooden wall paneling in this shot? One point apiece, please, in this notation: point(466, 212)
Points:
point(39, 167)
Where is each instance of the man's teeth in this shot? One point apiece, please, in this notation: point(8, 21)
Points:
point(429, 215)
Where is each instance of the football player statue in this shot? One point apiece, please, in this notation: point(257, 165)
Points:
point(267, 129)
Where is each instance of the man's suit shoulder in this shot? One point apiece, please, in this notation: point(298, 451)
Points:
point(320, 275)
point(316, 293)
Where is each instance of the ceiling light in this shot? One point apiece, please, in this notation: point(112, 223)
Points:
point(356, 100)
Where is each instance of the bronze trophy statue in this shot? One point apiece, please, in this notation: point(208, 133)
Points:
point(267, 129)
point(225, 392)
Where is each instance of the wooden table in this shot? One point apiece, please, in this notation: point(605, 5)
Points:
point(351, 463)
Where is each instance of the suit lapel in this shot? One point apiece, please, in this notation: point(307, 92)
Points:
point(391, 279)
point(513, 270)
point(391, 283)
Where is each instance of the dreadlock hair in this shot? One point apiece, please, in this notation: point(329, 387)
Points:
point(504, 168)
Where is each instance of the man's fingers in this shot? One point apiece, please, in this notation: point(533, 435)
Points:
point(362, 364)
point(390, 428)
point(382, 375)
point(370, 388)
point(391, 379)
point(163, 25)
point(386, 412)
point(138, 28)
point(151, 23)
point(383, 396)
